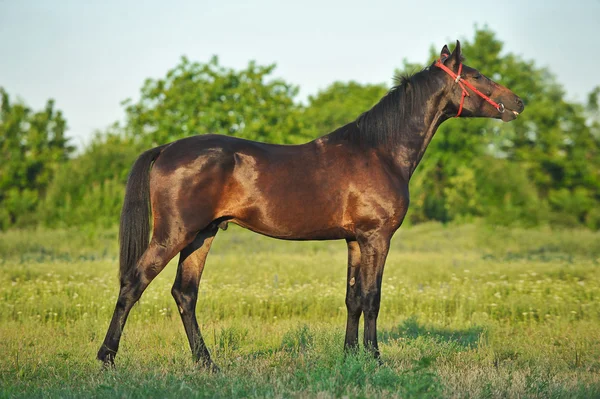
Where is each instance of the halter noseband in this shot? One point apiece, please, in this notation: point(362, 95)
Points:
point(462, 83)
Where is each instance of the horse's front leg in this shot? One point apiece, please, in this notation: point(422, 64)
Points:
point(373, 249)
point(353, 301)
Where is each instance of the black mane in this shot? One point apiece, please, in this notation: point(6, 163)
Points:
point(395, 115)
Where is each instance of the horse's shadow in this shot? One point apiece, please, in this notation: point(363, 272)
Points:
point(412, 329)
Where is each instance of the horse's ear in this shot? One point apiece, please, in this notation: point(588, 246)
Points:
point(445, 53)
point(457, 52)
point(455, 58)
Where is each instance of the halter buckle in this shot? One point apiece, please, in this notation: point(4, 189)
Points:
point(501, 108)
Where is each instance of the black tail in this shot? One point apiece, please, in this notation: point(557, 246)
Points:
point(135, 215)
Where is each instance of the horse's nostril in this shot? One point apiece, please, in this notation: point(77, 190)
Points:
point(519, 102)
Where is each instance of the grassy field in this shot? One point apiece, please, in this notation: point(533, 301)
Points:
point(467, 311)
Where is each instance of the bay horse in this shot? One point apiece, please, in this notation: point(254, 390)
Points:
point(351, 184)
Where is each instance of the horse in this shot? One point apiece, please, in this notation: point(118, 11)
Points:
point(351, 184)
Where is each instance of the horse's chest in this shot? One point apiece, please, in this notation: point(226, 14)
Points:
point(381, 204)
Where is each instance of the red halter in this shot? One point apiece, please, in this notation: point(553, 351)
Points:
point(462, 83)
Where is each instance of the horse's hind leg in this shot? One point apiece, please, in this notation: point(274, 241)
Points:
point(152, 262)
point(185, 291)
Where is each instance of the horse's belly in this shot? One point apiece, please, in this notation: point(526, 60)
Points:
point(292, 221)
point(292, 232)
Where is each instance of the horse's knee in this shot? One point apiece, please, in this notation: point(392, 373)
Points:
point(354, 308)
point(370, 302)
point(353, 304)
point(177, 295)
point(184, 300)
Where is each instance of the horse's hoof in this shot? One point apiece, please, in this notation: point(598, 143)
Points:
point(108, 366)
point(107, 357)
point(108, 363)
point(209, 366)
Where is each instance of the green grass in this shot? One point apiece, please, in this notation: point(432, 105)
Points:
point(467, 311)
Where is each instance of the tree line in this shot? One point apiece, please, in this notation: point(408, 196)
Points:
point(543, 168)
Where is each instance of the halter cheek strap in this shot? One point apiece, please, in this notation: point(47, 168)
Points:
point(463, 85)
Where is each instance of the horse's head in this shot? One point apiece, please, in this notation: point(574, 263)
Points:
point(472, 94)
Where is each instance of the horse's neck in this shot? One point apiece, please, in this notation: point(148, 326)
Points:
point(408, 153)
point(417, 133)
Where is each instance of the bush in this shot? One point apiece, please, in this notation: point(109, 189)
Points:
point(507, 195)
point(90, 188)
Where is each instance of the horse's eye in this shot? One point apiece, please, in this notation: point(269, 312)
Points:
point(477, 76)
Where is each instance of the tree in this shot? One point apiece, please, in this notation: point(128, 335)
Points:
point(338, 104)
point(90, 187)
point(32, 146)
point(197, 98)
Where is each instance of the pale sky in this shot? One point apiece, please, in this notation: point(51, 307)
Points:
point(90, 56)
